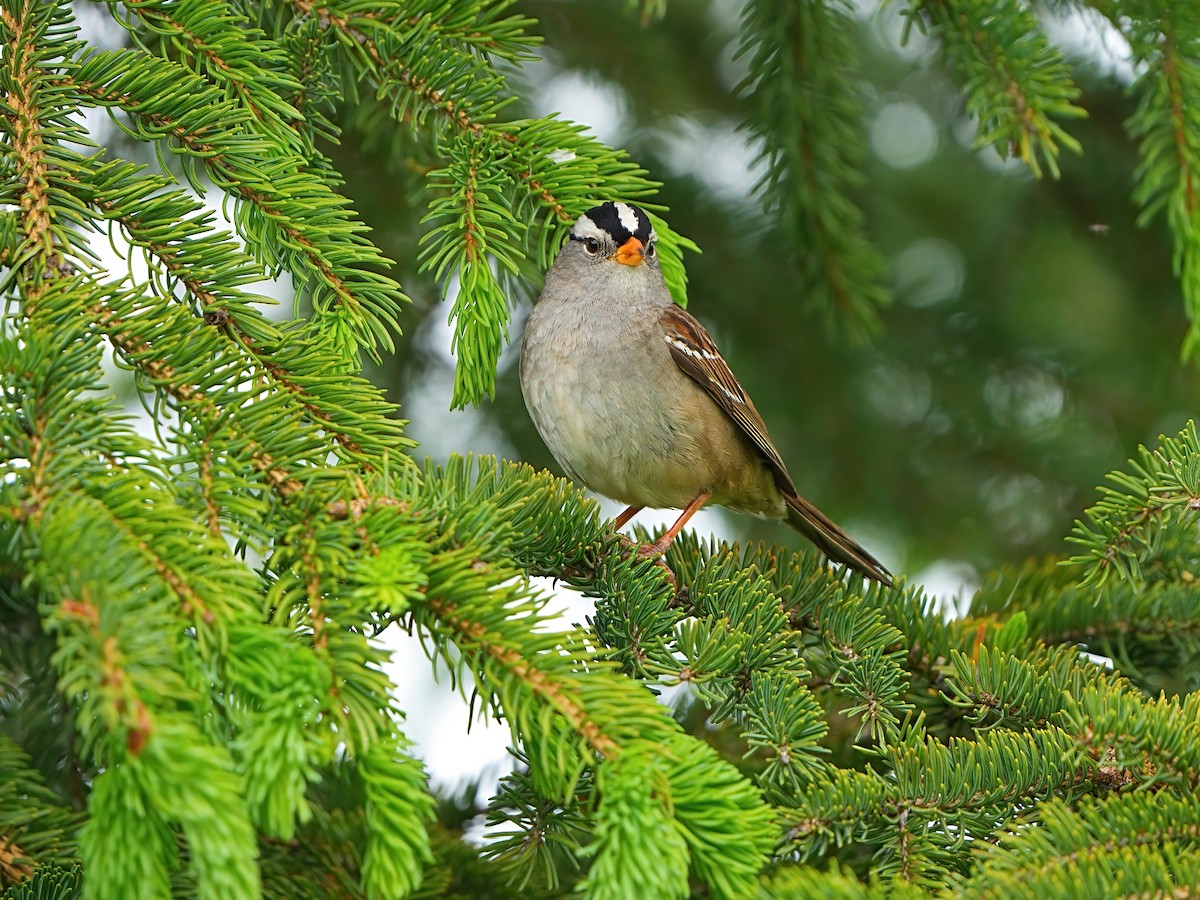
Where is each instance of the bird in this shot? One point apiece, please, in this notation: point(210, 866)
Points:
point(635, 402)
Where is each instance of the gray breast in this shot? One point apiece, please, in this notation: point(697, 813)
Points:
point(593, 383)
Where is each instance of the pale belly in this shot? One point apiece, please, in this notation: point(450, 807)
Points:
point(630, 438)
point(633, 460)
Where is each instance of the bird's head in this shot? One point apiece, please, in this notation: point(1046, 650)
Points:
point(614, 233)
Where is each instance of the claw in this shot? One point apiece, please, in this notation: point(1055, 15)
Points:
point(655, 551)
point(651, 551)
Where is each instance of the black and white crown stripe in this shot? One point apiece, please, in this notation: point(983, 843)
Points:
point(616, 222)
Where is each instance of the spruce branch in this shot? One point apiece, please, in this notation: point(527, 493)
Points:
point(1123, 532)
point(1127, 739)
point(1017, 692)
point(49, 882)
point(172, 229)
point(1123, 845)
point(36, 826)
point(37, 124)
point(805, 109)
point(480, 238)
point(474, 634)
point(935, 796)
point(1018, 85)
point(312, 233)
point(833, 811)
point(1004, 771)
point(398, 806)
point(1148, 742)
point(847, 644)
point(219, 42)
point(263, 702)
point(121, 671)
point(358, 705)
point(23, 124)
point(187, 722)
point(1145, 626)
point(120, 677)
point(1164, 41)
point(315, 95)
point(542, 836)
point(600, 718)
point(632, 799)
point(1057, 760)
point(184, 392)
point(606, 713)
point(384, 35)
point(834, 883)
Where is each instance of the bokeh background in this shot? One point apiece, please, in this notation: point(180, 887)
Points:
point(1031, 345)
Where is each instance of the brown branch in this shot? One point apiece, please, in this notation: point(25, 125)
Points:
point(29, 142)
point(212, 510)
point(470, 225)
point(312, 588)
point(1179, 125)
point(114, 681)
point(39, 459)
point(191, 600)
point(357, 508)
point(12, 871)
point(905, 842)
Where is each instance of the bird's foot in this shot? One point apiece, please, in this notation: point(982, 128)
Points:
point(653, 551)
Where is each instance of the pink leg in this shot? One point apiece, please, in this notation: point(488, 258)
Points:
point(620, 521)
point(659, 547)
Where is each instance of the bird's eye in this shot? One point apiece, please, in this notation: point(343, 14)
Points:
point(591, 245)
point(652, 250)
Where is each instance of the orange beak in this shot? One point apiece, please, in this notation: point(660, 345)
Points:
point(631, 253)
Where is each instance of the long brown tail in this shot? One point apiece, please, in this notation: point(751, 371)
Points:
point(831, 540)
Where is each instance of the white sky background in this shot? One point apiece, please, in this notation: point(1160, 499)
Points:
point(716, 154)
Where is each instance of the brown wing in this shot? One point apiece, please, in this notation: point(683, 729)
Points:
point(695, 353)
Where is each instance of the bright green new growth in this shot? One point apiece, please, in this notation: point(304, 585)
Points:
point(193, 698)
point(1143, 528)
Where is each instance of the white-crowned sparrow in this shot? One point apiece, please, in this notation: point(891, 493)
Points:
point(634, 400)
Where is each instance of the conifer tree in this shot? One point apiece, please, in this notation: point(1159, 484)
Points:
point(192, 693)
